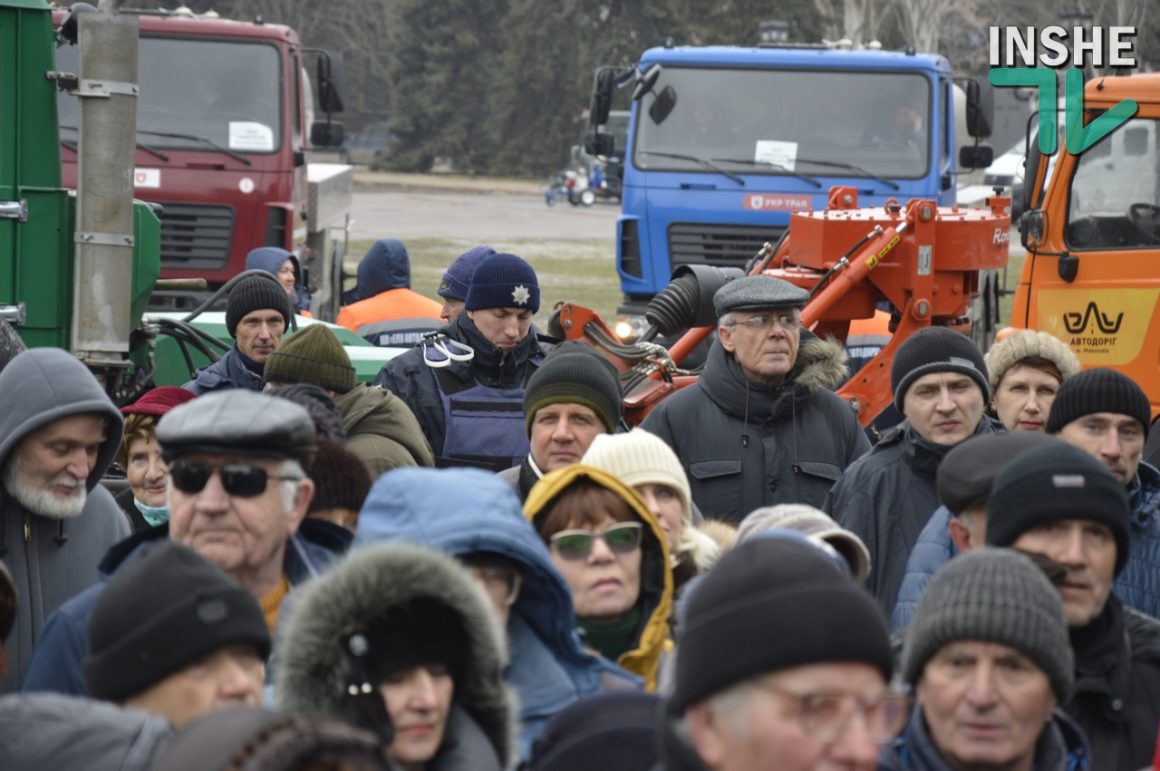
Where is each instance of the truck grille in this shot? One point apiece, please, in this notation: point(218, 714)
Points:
point(196, 237)
point(695, 243)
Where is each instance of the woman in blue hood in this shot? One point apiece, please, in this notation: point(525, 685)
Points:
point(284, 265)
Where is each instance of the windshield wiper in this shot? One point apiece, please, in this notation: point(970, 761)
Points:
point(703, 161)
point(851, 167)
point(140, 146)
point(772, 165)
point(203, 140)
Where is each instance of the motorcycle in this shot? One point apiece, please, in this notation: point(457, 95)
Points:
point(571, 184)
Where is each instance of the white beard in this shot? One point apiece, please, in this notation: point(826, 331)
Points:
point(41, 500)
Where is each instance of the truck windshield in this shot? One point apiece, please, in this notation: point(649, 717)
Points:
point(198, 93)
point(1115, 195)
point(787, 122)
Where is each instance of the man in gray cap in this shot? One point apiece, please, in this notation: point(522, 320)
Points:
point(238, 495)
point(761, 426)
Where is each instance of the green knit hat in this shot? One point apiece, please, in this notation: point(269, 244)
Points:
point(575, 373)
point(311, 355)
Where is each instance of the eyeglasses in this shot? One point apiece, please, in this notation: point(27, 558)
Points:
point(240, 479)
point(577, 544)
point(501, 584)
point(825, 715)
point(764, 320)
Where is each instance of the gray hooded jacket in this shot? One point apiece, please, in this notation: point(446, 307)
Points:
point(52, 559)
point(40, 731)
point(313, 669)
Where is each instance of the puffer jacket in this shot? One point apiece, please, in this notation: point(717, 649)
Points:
point(1138, 585)
point(313, 671)
point(1117, 687)
point(656, 579)
point(52, 559)
point(1061, 747)
point(381, 430)
point(58, 661)
point(422, 387)
point(43, 731)
point(933, 549)
point(744, 445)
point(887, 497)
point(230, 371)
point(466, 511)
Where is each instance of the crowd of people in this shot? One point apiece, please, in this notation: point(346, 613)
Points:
point(474, 563)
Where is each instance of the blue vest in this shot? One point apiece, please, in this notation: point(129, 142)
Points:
point(484, 425)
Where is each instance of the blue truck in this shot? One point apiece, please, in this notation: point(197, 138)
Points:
point(724, 142)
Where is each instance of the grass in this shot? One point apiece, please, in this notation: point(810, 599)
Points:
point(581, 272)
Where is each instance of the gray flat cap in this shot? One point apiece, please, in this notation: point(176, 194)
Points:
point(754, 293)
point(237, 421)
point(968, 472)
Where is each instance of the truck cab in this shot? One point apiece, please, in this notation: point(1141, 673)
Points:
point(1092, 235)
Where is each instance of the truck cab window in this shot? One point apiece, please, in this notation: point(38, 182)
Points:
point(1114, 201)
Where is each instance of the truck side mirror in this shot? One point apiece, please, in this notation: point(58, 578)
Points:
point(600, 104)
point(599, 143)
point(980, 108)
point(662, 106)
point(976, 156)
point(329, 76)
point(326, 134)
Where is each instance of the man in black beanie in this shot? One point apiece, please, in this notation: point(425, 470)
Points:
point(1060, 502)
point(1107, 415)
point(257, 313)
point(172, 634)
point(783, 664)
point(887, 496)
point(762, 425)
point(571, 399)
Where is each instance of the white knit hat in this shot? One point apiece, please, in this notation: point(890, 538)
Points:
point(1022, 344)
point(641, 458)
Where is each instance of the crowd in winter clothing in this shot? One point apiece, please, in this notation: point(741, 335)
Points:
point(474, 562)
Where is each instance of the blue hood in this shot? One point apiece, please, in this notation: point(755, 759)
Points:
point(460, 511)
point(385, 266)
point(270, 259)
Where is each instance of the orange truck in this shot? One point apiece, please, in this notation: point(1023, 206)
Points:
point(1092, 234)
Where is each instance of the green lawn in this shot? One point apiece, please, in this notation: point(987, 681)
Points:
point(576, 271)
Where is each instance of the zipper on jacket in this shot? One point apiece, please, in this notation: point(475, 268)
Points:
point(27, 527)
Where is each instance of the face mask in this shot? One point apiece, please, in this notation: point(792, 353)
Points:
point(154, 515)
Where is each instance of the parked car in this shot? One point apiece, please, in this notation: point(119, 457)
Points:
point(369, 145)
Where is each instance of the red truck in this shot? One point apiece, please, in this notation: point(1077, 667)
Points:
point(225, 120)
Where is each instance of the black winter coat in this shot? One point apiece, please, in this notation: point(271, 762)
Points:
point(744, 445)
point(886, 498)
point(1117, 687)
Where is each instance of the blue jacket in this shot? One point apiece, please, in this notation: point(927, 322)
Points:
point(1061, 747)
point(386, 265)
point(270, 259)
point(933, 549)
point(58, 660)
point(229, 371)
point(461, 511)
point(1138, 585)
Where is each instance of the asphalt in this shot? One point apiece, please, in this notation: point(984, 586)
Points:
point(366, 180)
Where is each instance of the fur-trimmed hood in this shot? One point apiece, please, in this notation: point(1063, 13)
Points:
point(313, 667)
point(821, 363)
point(656, 580)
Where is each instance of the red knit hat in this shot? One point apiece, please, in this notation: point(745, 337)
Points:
point(158, 401)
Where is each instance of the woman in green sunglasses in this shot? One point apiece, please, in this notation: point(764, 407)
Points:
point(613, 555)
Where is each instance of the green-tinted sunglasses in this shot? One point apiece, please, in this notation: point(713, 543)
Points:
point(623, 538)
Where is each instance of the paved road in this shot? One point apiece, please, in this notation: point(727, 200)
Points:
point(479, 217)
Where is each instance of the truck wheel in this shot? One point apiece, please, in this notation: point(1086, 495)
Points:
point(588, 197)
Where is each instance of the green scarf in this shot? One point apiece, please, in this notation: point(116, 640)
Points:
point(611, 639)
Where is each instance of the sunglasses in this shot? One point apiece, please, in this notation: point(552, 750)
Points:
point(239, 479)
point(577, 544)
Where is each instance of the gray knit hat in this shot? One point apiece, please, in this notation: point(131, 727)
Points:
point(1024, 344)
point(992, 595)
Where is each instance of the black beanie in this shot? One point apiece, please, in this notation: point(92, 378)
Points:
point(341, 479)
point(1052, 483)
point(161, 613)
point(610, 731)
point(255, 293)
point(575, 373)
point(1098, 390)
point(424, 631)
point(772, 604)
point(936, 349)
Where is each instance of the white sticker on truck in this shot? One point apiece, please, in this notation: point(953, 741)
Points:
point(248, 135)
point(147, 178)
point(776, 153)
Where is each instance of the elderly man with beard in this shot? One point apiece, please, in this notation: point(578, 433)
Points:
point(58, 434)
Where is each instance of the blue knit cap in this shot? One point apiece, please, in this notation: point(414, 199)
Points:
point(503, 281)
point(386, 265)
point(454, 284)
